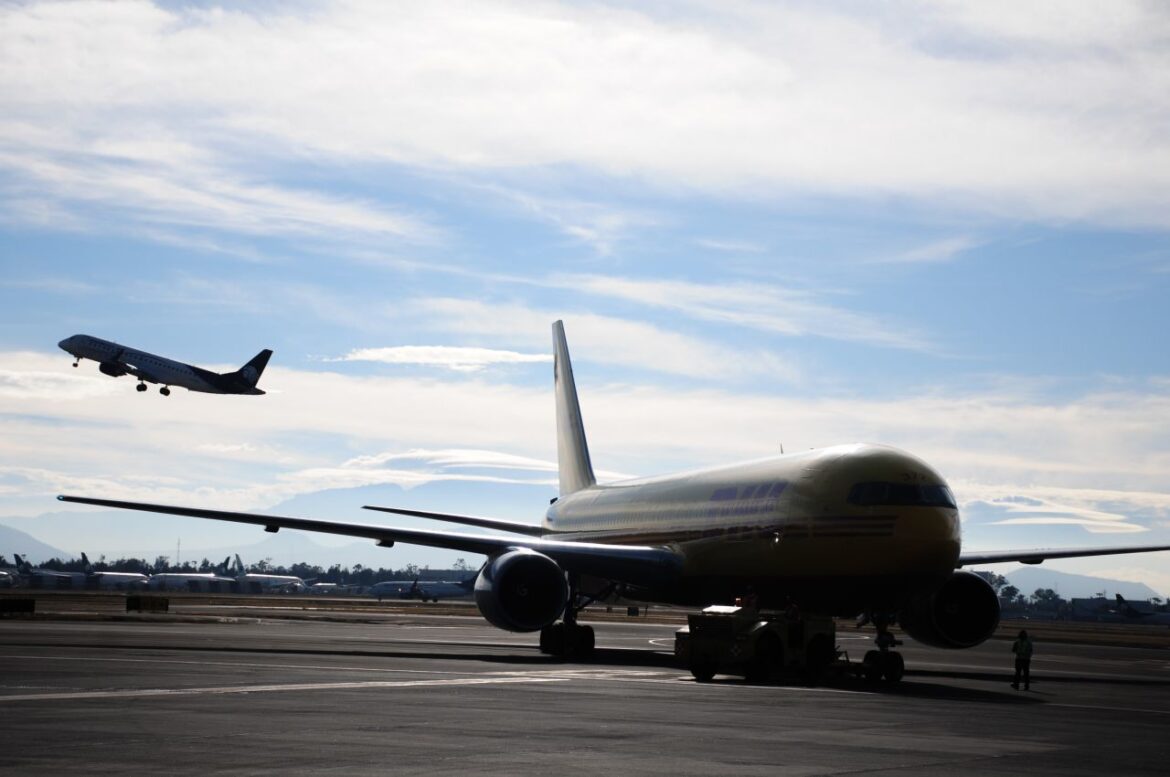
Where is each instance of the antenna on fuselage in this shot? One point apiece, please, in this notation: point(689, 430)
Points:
point(573, 464)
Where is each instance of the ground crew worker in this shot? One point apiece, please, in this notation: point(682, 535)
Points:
point(1022, 647)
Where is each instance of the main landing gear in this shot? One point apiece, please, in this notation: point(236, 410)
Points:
point(883, 663)
point(569, 639)
point(165, 391)
point(140, 387)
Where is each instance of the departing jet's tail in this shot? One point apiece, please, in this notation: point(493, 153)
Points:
point(22, 566)
point(87, 567)
point(576, 471)
point(250, 373)
point(244, 380)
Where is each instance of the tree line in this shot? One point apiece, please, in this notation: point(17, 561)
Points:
point(357, 575)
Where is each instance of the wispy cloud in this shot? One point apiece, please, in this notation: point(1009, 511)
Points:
point(460, 359)
point(762, 307)
point(606, 339)
point(923, 102)
point(939, 251)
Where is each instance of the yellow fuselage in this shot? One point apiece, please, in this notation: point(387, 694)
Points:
point(855, 515)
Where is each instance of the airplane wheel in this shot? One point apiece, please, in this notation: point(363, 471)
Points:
point(703, 670)
point(552, 639)
point(141, 387)
point(166, 392)
point(894, 667)
point(871, 666)
point(583, 642)
point(768, 658)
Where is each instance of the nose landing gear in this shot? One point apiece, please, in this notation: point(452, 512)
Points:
point(140, 387)
point(883, 662)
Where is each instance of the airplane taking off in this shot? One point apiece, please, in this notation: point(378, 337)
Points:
point(848, 530)
point(116, 360)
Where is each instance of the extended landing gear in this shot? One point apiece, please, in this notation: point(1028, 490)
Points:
point(570, 639)
point(141, 387)
point(75, 363)
point(883, 663)
point(165, 391)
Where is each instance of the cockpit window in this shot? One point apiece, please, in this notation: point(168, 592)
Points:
point(901, 494)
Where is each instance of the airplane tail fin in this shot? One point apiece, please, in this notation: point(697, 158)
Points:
point(250, 373)
point(85, 562)
point(573, 464)
point(22, 566)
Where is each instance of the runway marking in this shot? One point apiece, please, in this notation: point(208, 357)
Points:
point(146, 693)
point(245, 664)
point(1100, 708)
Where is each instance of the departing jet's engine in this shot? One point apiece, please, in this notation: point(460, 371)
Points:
point(113, 369)
point(521, 590)
point(961, 614)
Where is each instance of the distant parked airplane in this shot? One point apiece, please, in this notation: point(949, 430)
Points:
point(116, 360)
point(432, 590)
point(118, 581)
point(258, 583)
point(1133, 614)
point(48, 578)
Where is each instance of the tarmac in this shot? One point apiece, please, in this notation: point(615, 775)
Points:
point(246, 691)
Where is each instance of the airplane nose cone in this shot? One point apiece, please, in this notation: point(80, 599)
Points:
point(64, 344)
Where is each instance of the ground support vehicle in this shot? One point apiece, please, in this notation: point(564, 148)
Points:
point(769, 646)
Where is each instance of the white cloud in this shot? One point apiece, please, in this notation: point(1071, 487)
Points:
point(959, 103)
point(456, 458)
point(1094, 527)
point(30, 384)
point(603, 339)
point(189, 194)
point(938, 251)
point(758, 306)
point(453, 358)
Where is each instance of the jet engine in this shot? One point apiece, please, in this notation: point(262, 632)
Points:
point(962, 613)
point(113, 369)
point(521, 590)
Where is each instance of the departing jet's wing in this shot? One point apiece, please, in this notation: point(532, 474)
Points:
point(468, 520)
point(1040, 556)
point(636, 564)
point(138, 372)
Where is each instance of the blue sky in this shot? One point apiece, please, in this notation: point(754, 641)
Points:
point(939, 226)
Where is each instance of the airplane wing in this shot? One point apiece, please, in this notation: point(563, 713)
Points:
point(636, 564)
point(139, 373)
point(468, 520)
point(1040, 556)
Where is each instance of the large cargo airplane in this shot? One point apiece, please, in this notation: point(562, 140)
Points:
point(116, 360)
point(851, 530)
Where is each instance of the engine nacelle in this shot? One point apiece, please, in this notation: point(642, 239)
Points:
point(113, 369)
point(962, 613)
point(521, 590)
